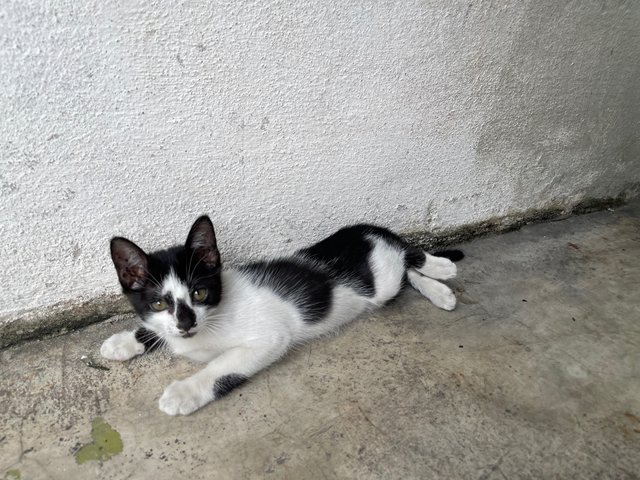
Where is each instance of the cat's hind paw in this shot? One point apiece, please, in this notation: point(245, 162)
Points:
point(121, 346)
point(438, 268)
point(439, 294)
point(444, 299)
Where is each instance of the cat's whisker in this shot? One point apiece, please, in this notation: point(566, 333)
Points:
point(196, 266)
point(147, 335)
point(198, 279)
point(189, 270)
point(212, 328)
point(160, 342)
point(218, 318)
point(212, 323)
point(153, 279)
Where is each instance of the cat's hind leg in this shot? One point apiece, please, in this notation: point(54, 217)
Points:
point(388, 268)
point(439, 294)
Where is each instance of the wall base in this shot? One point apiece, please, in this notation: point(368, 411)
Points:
point(61, 318)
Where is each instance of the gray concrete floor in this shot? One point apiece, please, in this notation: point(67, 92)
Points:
point(536, 374)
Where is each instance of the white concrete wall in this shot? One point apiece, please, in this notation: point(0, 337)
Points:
point(284, 120)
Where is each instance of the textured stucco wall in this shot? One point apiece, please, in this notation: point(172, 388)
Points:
point(284, 120)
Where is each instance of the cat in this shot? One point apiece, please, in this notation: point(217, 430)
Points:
point(240, 321)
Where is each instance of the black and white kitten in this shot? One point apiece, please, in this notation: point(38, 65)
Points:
point(240, 321)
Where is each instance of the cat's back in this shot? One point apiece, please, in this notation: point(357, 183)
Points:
point(348, 254)
point(295, 279)
point(340, 268)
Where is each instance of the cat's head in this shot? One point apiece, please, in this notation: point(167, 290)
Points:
point(172, 290)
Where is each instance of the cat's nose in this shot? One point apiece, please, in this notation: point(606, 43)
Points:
point(187, 329)
point(185, 316)
point(184, 334)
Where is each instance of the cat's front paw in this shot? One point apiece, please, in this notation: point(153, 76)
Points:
point(121, 346)
point(183, 397)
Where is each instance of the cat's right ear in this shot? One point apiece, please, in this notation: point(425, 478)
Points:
point(131, 263)
point(202, 241)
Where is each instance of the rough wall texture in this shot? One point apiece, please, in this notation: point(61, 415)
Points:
point(284, 120)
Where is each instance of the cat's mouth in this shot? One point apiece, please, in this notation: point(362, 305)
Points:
point(187, 334)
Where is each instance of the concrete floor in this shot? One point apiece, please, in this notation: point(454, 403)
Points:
point(536, 374)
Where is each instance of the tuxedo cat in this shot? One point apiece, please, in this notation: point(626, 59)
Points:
point(239, 321)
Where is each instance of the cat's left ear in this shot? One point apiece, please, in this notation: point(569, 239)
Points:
point(131, 263)
point(202, 240)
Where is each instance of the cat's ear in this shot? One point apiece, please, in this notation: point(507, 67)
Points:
point(202, 240)
point(131, 263)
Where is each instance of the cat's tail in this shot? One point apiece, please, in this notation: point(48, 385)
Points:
point(453, 255)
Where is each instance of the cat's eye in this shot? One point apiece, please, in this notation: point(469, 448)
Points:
point(199, 294)
point(158, 305)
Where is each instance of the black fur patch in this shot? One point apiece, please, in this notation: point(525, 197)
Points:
point(414, 257)
point(149, 339)
point(227, 383)
point(346, 255)
point(185, 315)
point(308, 288)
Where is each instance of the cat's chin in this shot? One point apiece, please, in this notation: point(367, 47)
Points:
point(188, 334)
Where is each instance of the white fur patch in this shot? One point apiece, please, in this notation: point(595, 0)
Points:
point(387, 265)
point(178, 290)
point(439, 294)
point(438, 267)
point(183, 397)
point(121, 346)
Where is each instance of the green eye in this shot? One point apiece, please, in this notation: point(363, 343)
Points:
point(158, 305)
point(199, 294)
